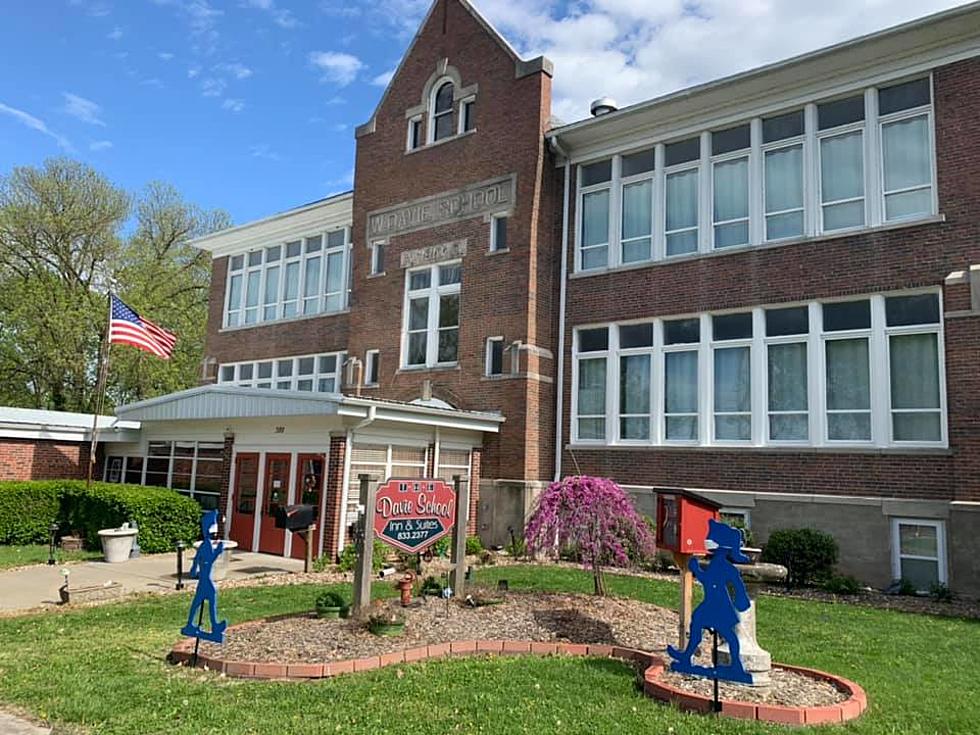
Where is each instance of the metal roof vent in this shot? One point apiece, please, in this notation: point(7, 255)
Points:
point(603, 106)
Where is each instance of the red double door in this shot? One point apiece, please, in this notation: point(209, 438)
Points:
point(275, 493)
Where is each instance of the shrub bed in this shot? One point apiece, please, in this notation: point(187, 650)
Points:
point(163, 516)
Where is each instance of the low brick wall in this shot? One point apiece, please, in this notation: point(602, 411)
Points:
point(653, 668)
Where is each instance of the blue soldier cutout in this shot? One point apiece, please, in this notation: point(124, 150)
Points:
point(206, 591)
point(717, 612)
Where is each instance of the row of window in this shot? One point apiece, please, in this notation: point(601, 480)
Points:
point(849, 163)
point(320, 373)
point(189, 467)
point(299, 278)
point(498, 243)
point(860, 372)
point(444, 119)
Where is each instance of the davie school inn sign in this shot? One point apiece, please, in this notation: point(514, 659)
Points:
point(486, 197)
point(411, 514)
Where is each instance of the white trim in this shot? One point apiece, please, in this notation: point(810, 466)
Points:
point(494, 219)
point(941, 559)
point(432, 292)
point(430, 127)
point(488, 356)
point(368, 355)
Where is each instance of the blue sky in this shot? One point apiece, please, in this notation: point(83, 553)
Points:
point(250, 105)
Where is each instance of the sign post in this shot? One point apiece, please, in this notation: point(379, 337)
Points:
point(365, 544)
point(459, 533)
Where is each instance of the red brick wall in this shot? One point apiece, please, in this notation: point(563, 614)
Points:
point(508, 294)
point(335, 495)
point(39, 459)
point(865, 263)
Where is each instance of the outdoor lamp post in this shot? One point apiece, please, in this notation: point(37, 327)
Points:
point(53, 530)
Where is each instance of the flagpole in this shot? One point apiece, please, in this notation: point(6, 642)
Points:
point(100, 389)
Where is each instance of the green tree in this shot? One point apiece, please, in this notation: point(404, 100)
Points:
point(63, 244)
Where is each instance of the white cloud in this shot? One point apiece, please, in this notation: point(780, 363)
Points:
point(633, 50)
point(151, 82)
point(235, 69)
point(83, 109)
point(34, 123)
point(383, 79)
point(201, 19)
point(336, 66)
point(115, 34)
point(94, 8)
point(165, 56)
point(336, 100)
point(338, 127)
point(100, 145)
point(280, 16)
point(193, 72)
point(264, 151)
point(234, 105)
point(213, 87)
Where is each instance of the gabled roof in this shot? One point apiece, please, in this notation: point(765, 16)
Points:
point(521, 67)
point(221, 401)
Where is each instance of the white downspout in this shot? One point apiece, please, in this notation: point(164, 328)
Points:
point(560, 396)
point(345, 492)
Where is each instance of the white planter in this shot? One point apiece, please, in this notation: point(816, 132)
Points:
point(117, 543)
point(220, 568)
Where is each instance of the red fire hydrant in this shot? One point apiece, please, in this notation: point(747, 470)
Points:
point(405, 585)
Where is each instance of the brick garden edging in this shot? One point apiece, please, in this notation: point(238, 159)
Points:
point(653, 667)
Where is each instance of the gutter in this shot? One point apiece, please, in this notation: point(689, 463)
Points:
point(560, 382)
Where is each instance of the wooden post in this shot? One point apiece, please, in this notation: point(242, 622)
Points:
point(308, 538)
point(459, 533)
point(365, 544)
point(687, 591)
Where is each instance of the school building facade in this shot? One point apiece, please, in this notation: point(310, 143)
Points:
point(765, 288)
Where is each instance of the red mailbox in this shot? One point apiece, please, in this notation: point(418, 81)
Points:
point(682, 520)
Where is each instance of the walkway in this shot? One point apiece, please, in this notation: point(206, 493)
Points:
point(37, 586)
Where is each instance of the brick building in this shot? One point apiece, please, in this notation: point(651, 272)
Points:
point(766, 288)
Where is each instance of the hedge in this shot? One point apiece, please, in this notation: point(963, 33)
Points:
point(27, 509)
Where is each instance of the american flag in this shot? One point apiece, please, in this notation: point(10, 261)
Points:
point(126, 327)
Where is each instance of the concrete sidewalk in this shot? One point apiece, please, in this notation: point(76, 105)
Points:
point(37, 586)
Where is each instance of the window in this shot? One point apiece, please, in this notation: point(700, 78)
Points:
point(300, 277)
point(441, 118)
point(681, 379)
point(495, 356)
point(595, 180)
point(635, 381)
point(372, 367)
point(787, 354)
point(732, 377)
point(636, 238)
point(432, 316)
point(414, 133)
point(498, 233)
point(377, 258)
point(452, 462)
point(730, 185)
point(919, 552)
point(782, 138)
point(841, 126)
point(912, 325)
point(466, 120)
point(867, 372)
point(383, 460)
point(319, 373)
point(192, 468)
point(906, 149)
point(681, 204)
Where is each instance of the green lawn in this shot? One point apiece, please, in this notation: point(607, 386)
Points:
point(19, 556)
point(103, 669)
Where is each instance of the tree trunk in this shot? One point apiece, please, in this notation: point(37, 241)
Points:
point(597, 578)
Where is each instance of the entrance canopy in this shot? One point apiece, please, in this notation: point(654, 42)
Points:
point(234, 402)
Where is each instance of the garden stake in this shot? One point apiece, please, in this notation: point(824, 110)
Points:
point(715, 703)
point(180, 565)
point(197, 641)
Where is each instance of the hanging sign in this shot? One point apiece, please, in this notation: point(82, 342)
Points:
point(412, 514)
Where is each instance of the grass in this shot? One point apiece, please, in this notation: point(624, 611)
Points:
point(21, 556)
point(102, 670)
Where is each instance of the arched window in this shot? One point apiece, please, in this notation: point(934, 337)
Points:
point(442, 112)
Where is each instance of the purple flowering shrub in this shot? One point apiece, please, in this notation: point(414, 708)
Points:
point(593, 516)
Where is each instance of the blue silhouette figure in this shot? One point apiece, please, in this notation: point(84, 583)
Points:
point(717, 611)
point(206, 591)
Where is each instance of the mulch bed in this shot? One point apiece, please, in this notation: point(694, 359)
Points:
point(523, 616)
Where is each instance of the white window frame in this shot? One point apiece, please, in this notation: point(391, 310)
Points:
point(410, 144)
point(656, 392)
point(942, 559)
point(580, 216)
point(816, 340)
point(774, 147)
point(192, 491)
point(908, 114)
point(680, 168)
point(744, 513)
point(494, 246)
point(294, 378)
point(377, 257)
point(488, 356)
point(430, 133)
point(282, 263)
point(621, 182)
point(743, 342)
point(434, 292)
point(372, 364)
point(464, 104)
point(723, 158)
